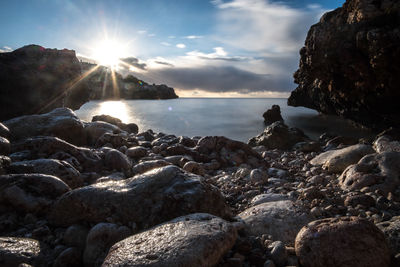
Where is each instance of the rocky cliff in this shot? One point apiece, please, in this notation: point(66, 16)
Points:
point(350, 64)
point(34, 79)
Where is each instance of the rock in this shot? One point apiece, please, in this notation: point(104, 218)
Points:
point(101, 237)
point(272, 115)
point(146, 199)
point(391, 230)
point(4, 131)
point(116, 160)
point(360, 41)
point(386, 144)
point(278, 253)
point(278, 136)
point(94, 130)
point(277, 173)
point(307, 147)
point(59, 168)
point(375, 171)
point(258, 176)
point(337, 161)
point(194, 167)
point(32, 193)
point(130, 128)
point(4, 146)
point(344, 241)
point(269, 263)
point(280, 219)
point(364, 200)
point(149, 165)
point(60, 122)
point(4, 164)
point(75, 236)
point(35, 79)
point(69, 257)
point(268, 197)
point(136, 152)
point(192, 240)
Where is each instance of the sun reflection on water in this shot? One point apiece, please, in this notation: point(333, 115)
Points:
point(117, 109)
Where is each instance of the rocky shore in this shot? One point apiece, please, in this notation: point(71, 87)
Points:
point(102, 193)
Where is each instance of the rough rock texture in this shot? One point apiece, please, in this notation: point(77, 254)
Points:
point(4, 146)
point(147, 199)
point(192, 240)
point(345, 242)
point(272, 115)
point(280, 219)
point(34, 79)
point(386, 144)
point(375, 171)
point(94, 130)
point(391, 229)
point(60, 122)
point(338, 160)
point(350, 64)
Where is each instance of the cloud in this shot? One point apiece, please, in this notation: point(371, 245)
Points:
point(163, 63)
point(165, 44)
point(132, 61)
point(5, 49)
point(193, 37)
point(151, 35)
point(141, 32)
point(181, 45)
point(219, 54)
point(171, 37)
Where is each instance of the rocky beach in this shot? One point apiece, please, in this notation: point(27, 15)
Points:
point(106, 193)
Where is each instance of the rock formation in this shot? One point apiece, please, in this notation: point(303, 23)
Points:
point(349, 65)
point(34, 79)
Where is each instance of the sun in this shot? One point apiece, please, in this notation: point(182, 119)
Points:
point(108, 52)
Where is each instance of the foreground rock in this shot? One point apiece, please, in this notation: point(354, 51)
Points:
point(360, 43)
point(391, 229)
point(130, 127)
point(146, 200)
point(272, 115)
point(192, 240)
point(376, 172)
point(345, 241)
point(280, 219)
point(35, 79)
point(337, 161)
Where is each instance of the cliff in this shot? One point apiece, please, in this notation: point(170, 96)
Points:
point(34, 79)
point(350, 64)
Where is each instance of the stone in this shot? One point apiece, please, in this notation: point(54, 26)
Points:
point(4, 146)
point(60, 122)
point(391, 230)
point(32, 193)
point(354, 200)
point(99, 240)
point(347, 64)
point(194, 167)
point(278, 136)
point(75, 236)
point(278, 253)
point(94, 130)
point(336, 161)
point(4, 164)
point(267, 197)
point(375, 171)
point(59, 168)
point(386, 144)
point(115, 160)
point(306, 147)
point(343, 241)
point(35, 79)
point(147, 199)
point(258, 176)
point(149, 165)
point(272, 115)
point(130, 127)
point(69, 257)
point(136, 152)
point(4, 131)
point(192, 240)
point(280, 219)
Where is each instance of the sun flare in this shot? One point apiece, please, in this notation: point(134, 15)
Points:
point(117, 109)
point(108, 53)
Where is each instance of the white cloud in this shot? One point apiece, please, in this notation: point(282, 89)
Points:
point(218, 54)
point(141, 32)
point(181, 45)
point(193, 37)
point(165, 44)
point(171, 37)
point(5, 49)
point(151, 34)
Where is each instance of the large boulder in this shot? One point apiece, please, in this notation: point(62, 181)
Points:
point(60, 122)
point(349, 64)
point(35, 79)
point(375, 171)
point(32, 193)
point(95, 130)
point(391, 229)
point(386, 144)
point(272, 115)
point(281, 219)
point(345, 242)
point(148, 199)
point(130, 127)
point(337, 161)
point(192, 240)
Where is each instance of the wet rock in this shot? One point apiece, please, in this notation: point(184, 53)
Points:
point(278, 136)
point(75, 236)
point(58, 168)
point(272, 115)
point(192, 240)
point(4, 164)
point(94, 130)
point(386, 144)
point(69, 257)
point(4, 131)
point(130, 127)
point(391, 229)
point(5, 146)
point(345, 241)
point(149, 165)
point(337, 161)
point(280, 219)
point(136, 152)
point(375, 171)
point(99, 240)
point(116, 160)
point(146, 199)
point(61, 122)
point(30, 192)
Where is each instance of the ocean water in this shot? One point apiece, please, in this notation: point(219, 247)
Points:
point(235, 118)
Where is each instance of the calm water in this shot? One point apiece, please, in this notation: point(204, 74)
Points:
point(238, 119)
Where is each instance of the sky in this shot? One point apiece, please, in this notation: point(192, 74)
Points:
point(216, 48)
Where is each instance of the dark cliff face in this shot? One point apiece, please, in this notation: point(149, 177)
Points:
point(350, 64)
point(36, 80)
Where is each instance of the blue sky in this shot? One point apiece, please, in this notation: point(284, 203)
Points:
point(200, 47)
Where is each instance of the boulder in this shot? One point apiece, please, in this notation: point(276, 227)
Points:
point(32, 193)
point(272, 115)
point(59, 168)
point(4, 131)
point(391, 230)
point(386, 144)
point(75, 236)
point(147, 199)
point(344, 241)
point(149, 165)
point(130, 127)
point(99, 240)
point(375, 171)
point(69, 257)
point(4, 146)
point(348, 66)
point(336, 161)
point(60, 122)
point(35, 79)
point(278, 136)
point(280, 219)
point(94, 130)
point(4, 164)
point(192, 240)
point(136, 152)
point(116, 160)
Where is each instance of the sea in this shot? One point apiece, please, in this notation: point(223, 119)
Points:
point(236, 118)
